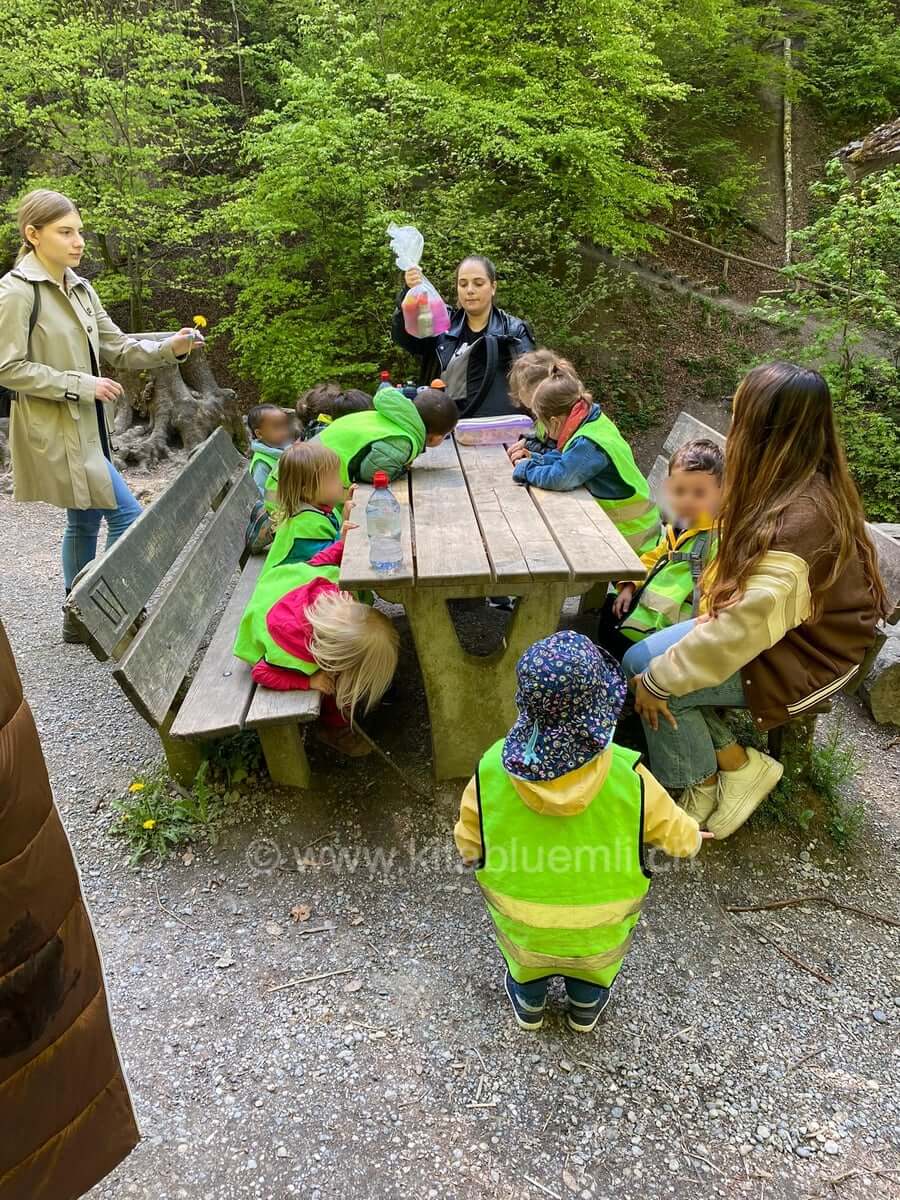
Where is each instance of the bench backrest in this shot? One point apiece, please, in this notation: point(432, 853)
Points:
point(117, 587)
point(689, 429)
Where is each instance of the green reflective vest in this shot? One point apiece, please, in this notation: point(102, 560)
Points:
point(350, 437)
point(671, 592)
point(253, 640)
point(310, 524)
point(564, 892)
point(636, 516)
point(270, 490)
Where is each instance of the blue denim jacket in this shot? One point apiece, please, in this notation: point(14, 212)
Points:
point(582, 464)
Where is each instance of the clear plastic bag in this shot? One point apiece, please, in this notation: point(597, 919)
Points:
point(424, 312)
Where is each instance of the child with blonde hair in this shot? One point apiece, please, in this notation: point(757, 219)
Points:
point(300, 631)
point(526, 373)
point(590, 452)
point(311, 506)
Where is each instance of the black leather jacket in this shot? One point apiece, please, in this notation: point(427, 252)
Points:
point(505, 338)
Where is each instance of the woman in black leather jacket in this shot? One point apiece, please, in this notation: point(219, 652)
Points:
point(474, 356)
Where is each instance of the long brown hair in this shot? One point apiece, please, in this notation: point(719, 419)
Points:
point(38, 208)
point(783, 433)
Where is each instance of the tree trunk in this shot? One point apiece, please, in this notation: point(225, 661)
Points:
point(877, 151)
point(172, 407)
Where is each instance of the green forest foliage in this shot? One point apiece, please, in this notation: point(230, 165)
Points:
point(245, 158)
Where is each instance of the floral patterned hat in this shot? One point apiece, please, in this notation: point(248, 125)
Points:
point(569, 698)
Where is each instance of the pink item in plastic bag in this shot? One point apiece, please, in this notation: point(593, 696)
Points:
point(493, 431)
point(424, 312)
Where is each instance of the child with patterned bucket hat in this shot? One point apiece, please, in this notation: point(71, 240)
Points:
point(555, 822)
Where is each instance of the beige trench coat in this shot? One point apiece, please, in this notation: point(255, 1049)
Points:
point(57, 455)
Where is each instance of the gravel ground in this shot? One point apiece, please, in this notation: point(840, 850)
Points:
point(721, 1068)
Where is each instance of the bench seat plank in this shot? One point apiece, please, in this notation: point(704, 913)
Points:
point(220, 694)
point(154, 665)
point(270, 707)
point(116, 587)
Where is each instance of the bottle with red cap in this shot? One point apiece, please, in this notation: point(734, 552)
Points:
point(384, 527)
point(384, 380)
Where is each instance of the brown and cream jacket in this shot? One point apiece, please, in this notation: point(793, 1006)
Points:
point(65, 1113)
point(789, 663)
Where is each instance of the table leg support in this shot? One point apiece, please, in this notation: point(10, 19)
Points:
point(285, 754)
point(471, 699)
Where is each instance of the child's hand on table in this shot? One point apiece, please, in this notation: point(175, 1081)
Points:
point(517, 452)
point(321, 681)
point(349, 504)
point(622, 602)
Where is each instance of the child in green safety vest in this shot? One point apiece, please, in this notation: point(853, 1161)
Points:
point(392, 435)
point(672, 590)
point(312, 505)
point(525, 374)
point(270, 436)
point(555, 822)
point(590, 452)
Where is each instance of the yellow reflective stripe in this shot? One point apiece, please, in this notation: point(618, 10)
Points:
point(661, 603)
point(559, 963)
point(626, 510)
point(561, 916)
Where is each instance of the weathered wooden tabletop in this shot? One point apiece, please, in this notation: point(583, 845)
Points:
point(469, 531)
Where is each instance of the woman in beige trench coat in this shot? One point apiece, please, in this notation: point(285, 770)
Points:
point(53, 333)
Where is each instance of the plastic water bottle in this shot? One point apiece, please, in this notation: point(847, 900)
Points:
point(384, 380)
point(383, 526)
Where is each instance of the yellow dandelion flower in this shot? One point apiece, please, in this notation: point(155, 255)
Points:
point(200, 321)
point(149, 823)
point(137, 786)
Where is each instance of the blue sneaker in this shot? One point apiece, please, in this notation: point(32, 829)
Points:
point(583, 1018)
point(528, 1016)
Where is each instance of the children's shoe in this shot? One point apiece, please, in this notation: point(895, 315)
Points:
point(528, 1016)
point(742, 791)
point(583, 1018)
point(344, 740)
point(700, 801)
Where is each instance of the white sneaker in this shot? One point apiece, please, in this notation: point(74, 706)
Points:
point(700, 800)
point(741, 792)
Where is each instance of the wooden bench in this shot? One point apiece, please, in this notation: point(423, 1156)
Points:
point(197, 525)
point(799, 731)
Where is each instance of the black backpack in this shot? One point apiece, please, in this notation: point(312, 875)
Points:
point(7, 396)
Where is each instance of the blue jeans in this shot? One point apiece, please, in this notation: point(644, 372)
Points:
point(681, 757)
point(83, 527)
point(535, 992)
point(637, 659)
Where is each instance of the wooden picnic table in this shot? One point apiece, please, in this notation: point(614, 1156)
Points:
point(470, 531)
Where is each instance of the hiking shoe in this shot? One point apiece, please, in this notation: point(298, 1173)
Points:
point(344, 740)
point(71, 630)
point(741, 792)
point(528, 1016)
point(583, 1018)
point(700, 800)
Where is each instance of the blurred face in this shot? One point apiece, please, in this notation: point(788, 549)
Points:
point(474, 290)
point(331, 490)
point(59, 243)
point(275, 429)
point(693, 495)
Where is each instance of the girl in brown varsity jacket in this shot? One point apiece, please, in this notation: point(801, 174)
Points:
point(791, 606)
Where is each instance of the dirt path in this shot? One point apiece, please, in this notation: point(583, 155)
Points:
point(722, 1069)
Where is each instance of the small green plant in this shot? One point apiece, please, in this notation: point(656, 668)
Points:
point(156, 814)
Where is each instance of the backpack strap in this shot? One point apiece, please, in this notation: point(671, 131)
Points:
point(35, 310)
point(492, 357)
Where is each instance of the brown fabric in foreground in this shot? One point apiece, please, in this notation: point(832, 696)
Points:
point(65, 1114)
